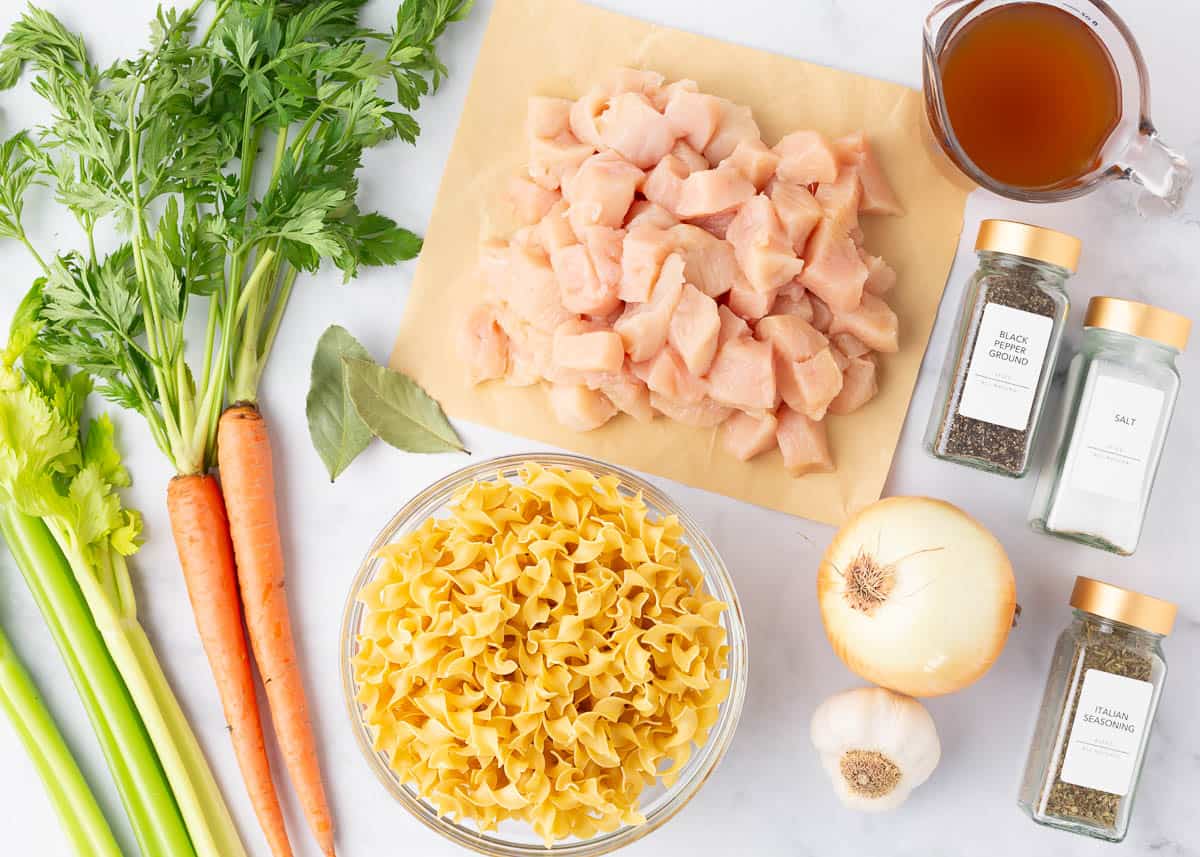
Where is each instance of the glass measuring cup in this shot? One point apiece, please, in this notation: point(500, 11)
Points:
point(1132, 151)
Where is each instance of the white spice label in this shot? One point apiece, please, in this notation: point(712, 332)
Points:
point(1115, 438)
point(1006, 365)
point(1110, 724)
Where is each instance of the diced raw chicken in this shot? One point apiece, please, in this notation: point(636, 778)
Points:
point(793, 299)
point(580, 289)
point(643, 211)
point(849, 344)
point(762, 247)
point(702, 414)
point(646, 247)
point(713, 191)
point(877, 194)
point(604, 246)
point(798, 211)
point(531, 289)
point(755, 161)
point(859, 386)
point(833, 270)
point(554, 231)
point(483, 345)
point(643, 327)
point(665, 93)
point(630, 395)
point(529, 349)
point(601, 191)
point(579, 408)
point(584, 114)
point(873, 322)
point(694, 328)
point(635, 130)
point(626, 79)
point(822, 315)
point(709, 263)
point(735, 125)
point(880, 276)
point(732, 325)
point(577, 347)
point(747, 436)
point(663, 185)
point(805, 157)
point(530, 201)
point(667, 375)
point(792, 337)
point(693, 160)
point(526, 236)
point(743, 375)
point(839, 200)
point(717, 224)
point(810, 385)
point(804, 444)
point(749, 303)
point(841, 360)
point(694, 116)
point(551, 160)
point(547, 118)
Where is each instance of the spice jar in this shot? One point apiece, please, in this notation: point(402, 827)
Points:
point(1104, 685)
point(1121, 390)
point(1002, 352)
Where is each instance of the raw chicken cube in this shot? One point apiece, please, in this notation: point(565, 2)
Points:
point(554, 231)
point(694, 328)
point(849, 344)
point(577, 347)
point(667, 375)
point(580, 289)
point(651, 214)
point(483, 345)
point(530, 201)
point(810, 385)
point(694, 116)
point(529, 349)
point(747, 436)
point(702, 414)
point(873, 322)
point(749, 303)
point(743, 375)
point(663, 185)
point(713, 191)
point(601, 191)
point(732, 325)
point(605, 246)
point(630, 395)
point(693, 160)
point(822, 315)
point(793, 299)
point(531, 290)
point(763, 250)
point(663, 96)
point(839, 200)
point(791, 336)
point(635, 130)
point(547, 118)
point(709, 263)
point(716, 225)
point(804, 444)
point(583, 116)
point(551, 160)
point(735, 125)
point(805, 157)
point(880, 276)
point(833, 271)
point(754, 160)
point(646, 247)
point(877, 194)
point(859, 386)
point(643, 327)
point(579, 408)
point(798, 211)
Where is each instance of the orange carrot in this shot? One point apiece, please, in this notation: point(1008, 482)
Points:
point(201, 532)
point(248, 481)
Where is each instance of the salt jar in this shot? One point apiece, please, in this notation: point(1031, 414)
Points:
point(1121, 390)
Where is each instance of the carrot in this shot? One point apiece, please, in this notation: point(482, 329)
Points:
point(248, 481)
point(201, 532)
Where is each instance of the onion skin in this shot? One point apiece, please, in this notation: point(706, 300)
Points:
point(942, 596)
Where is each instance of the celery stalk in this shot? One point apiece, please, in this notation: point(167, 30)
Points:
point(139, 777)
point(80, 815)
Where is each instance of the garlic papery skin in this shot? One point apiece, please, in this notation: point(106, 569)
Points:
point(876, 746)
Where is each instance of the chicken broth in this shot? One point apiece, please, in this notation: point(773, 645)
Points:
point(1032, 94)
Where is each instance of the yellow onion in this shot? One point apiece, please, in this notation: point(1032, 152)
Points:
point(917, 596)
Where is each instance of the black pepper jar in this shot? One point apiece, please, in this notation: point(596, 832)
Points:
point(1002, 353)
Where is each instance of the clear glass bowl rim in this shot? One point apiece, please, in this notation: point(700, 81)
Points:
point(705, 759)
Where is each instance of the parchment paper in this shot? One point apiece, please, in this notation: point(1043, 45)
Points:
point(559, 47)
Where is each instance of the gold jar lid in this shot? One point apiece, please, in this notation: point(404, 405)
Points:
point(1138, 319)
point(1032, 242)
point(1123, 605)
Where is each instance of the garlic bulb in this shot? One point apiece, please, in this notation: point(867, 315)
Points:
point(876, 745)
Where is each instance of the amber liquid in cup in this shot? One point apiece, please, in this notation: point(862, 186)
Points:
point(1032, 95)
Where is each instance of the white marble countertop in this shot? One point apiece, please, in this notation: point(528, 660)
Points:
point(769, 797)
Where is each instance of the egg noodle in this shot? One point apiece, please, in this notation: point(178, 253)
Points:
point(545, 652)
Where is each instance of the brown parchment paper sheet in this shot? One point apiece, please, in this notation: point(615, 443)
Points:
point(559, 47)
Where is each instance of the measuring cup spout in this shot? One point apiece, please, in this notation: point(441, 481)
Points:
point(1163, 173)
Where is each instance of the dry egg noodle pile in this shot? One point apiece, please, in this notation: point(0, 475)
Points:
point(542, 653)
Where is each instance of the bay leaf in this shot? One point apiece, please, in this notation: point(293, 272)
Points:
point(337, 431)
point(397, 410)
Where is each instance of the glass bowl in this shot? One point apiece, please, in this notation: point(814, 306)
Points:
point(659, 804)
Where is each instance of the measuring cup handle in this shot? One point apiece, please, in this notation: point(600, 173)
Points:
point(1163, 173)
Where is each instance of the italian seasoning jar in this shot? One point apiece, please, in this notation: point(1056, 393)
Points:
point(1105, 681)
point(1120, 396)
point(1002, 353)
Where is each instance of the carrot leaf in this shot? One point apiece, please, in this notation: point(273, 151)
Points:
point(338, 432)
point(397, 410)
